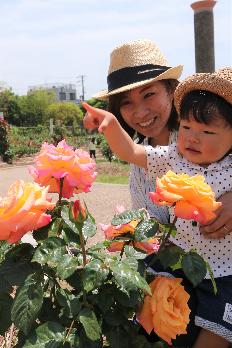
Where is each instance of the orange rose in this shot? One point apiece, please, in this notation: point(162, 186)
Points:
point(23, 210)
point(166, 311)
point(192, 197)
point(122, 231)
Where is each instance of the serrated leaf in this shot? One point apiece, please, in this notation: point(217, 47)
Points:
point(5, 309)
point(128, 216)
point(70, 303)
point(27, 303)
point(48, 335)
point(66, 218)
point(127, 278)
point(89, 228)
point(49, 250)
point(55, 228)
point(194, 267)
point(66, 266)
point(89, 321)
point(145, 230)
point(170, 255)
point(94, 275)
point(132, 252)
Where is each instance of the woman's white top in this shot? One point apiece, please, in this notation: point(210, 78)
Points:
point(140, 185)
point(219, 176)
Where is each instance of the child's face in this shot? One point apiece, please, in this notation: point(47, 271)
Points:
point(202, 143)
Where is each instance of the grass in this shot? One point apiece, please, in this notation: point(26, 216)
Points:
point(112, 172)
point(112, 179)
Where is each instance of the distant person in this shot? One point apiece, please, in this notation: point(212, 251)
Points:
point(92, 148)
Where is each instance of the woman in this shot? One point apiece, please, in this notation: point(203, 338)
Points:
point(141, 85)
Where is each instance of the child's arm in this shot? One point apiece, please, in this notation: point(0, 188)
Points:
point(119, 141)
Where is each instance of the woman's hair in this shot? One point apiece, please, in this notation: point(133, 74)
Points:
point(115, 102)
point(205, 106)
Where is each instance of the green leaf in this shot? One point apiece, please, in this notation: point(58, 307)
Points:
point(146, 229)
point(66, 266)
point(51, 249)
point(127, 278)
point(165, 229)
point(13, 272)
point(128, 216)
point(55, 228)
point(194, 267)
point(70, 303)
point(89, 228)
point(89, 321)
point(170, 255)
point(131, 252)
point(48, 335)
point(94, 275)
point(5, 309)
point(27, 303)
point(4, 247)
point(66, 218)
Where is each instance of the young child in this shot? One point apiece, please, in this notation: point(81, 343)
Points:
point(204, 104)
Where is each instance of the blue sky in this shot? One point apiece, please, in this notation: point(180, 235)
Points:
point(50, 41)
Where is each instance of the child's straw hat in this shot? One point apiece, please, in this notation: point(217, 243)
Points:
point(135, 64)
point(219, 82)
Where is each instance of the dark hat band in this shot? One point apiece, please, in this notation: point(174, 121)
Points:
point(130, 75)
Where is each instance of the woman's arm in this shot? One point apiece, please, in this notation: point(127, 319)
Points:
point(119, 141)
point(222, 224)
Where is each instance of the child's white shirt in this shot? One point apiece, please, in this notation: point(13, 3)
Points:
point(141, 184)
point(219, 176)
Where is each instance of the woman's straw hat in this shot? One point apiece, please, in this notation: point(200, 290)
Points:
point(219, 82)
point(135, 64)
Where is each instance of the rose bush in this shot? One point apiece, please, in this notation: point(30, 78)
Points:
point(63, 291)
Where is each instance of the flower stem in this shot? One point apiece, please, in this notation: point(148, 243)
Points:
point(83, 247)
point(60, 195)
point(167, 235)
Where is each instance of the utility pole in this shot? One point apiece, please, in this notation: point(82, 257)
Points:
point(82, 87)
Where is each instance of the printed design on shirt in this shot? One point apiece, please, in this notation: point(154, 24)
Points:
point(227, 316)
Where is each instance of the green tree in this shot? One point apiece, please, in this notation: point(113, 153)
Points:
point(9, 105)
point(34, 106)
point(67, 114)
point(101, 104)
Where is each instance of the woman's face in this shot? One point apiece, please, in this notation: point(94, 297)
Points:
point(147, 109)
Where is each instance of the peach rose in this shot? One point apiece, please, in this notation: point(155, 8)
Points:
point(62, 162)
point(23, 210)
point(122, 231)
point(192, 197)
point(166, 311)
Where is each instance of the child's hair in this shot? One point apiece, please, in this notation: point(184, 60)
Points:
point(205, 107)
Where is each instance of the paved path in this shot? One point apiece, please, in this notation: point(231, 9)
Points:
point(101, 201)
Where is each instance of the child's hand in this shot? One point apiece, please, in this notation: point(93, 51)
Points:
point(97, 118)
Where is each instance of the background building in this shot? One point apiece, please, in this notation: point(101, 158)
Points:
point(63, 92)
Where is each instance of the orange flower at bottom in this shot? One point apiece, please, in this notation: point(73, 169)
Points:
point(166, 311)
